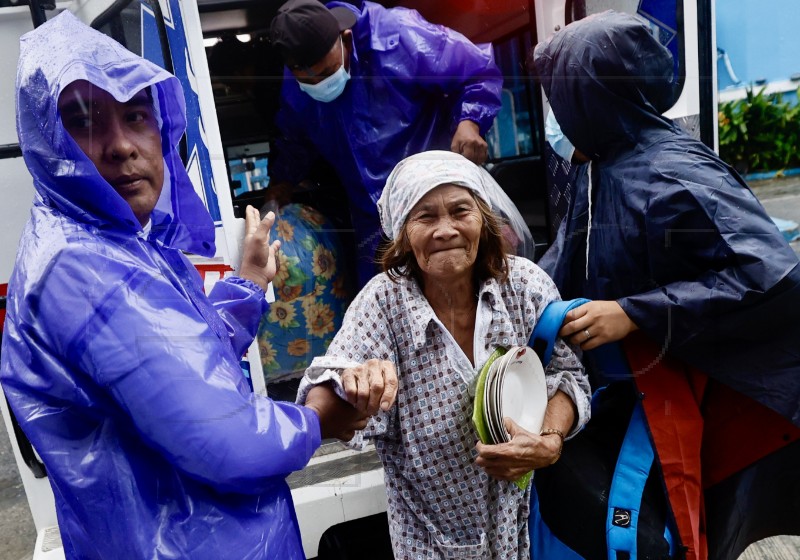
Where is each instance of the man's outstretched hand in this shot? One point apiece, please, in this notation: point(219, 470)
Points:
point(258, 255)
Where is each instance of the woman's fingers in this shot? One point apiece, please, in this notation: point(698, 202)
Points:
point(375, 386)
point(509, 461)
point(372, 386)
point(390, 385)
point(350, 386)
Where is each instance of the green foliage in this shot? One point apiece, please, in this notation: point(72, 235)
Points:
point(760, 132)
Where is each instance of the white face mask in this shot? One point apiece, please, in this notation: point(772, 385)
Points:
point(560, 143)
point(331, 87)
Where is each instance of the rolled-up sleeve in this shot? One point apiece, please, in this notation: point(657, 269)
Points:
point(240, 304)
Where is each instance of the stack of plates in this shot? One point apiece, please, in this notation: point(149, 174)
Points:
point(510, 385)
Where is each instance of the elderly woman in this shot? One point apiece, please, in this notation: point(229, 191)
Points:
point(448, 297)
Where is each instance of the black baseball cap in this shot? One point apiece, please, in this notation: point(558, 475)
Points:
point(305, 30)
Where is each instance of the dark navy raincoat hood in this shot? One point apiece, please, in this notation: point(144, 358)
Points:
point(123, 374)
point(674, 234)
point(64, 177)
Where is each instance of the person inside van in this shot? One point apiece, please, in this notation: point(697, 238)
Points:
point(122, 373)
point(366, 86)
point(683, 263)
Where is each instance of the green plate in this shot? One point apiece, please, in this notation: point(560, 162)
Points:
point(478, 416)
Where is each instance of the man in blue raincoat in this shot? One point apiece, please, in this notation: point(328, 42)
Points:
point(121, 372)
point(368, 86)
point(669, 241)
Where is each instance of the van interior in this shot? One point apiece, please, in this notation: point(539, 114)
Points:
point(246, 73)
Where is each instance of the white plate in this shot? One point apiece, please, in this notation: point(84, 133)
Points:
point(497, 392)
point(494, 416)
point(523, 396)
point(490, 402)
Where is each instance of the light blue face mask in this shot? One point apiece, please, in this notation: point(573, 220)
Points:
point(560, 143)
point(331, 87)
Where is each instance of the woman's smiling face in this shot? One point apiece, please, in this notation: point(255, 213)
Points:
point(444, 231)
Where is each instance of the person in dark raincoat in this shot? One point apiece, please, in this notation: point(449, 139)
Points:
point(668, 240)
point(122, 373)
point(368, 86)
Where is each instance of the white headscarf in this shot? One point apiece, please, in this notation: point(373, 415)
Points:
point(417, 175)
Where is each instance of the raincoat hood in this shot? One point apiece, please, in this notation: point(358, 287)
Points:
point(65, 50)
point(608, 60)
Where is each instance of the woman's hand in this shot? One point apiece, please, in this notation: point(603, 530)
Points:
point(524, 453)
point(258, 256)
point(596, 323)
point(371, 385)
point(337, 418)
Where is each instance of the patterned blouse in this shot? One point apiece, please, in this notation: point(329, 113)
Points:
point(441, 504)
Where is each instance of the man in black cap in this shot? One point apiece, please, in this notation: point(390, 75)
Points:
point(415, 86)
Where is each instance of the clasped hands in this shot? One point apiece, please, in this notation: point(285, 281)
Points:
point(369, 387)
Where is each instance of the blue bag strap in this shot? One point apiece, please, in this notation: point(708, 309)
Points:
point(627, 485)
point(543, 338)
point(633, 463)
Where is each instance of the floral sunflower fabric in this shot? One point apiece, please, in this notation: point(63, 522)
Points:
point(312, 293)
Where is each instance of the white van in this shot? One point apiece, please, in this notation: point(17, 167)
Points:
point(339, 497)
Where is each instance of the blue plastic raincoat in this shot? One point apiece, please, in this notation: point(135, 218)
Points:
point(412, 83)
point(122, 373)
point(676, 236)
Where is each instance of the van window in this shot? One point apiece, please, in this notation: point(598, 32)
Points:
point(516, 128)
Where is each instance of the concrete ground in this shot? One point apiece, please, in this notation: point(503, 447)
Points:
point(17, 532)
point(780, 197)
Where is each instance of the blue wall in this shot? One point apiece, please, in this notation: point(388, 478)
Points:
point(761, 37)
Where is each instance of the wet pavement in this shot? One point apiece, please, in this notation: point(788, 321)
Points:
point(17, 532)
point(781, 199)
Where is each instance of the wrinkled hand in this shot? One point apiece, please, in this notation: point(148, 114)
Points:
point(258, 256)
point(524, 453)
point(604, 320)
point(337, 418)
point(467, 141)
point(371, 385)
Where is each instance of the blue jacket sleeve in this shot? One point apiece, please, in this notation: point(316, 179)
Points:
point(128, 334)
point(707, 244)
point(446, 60)
point(240, 303)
